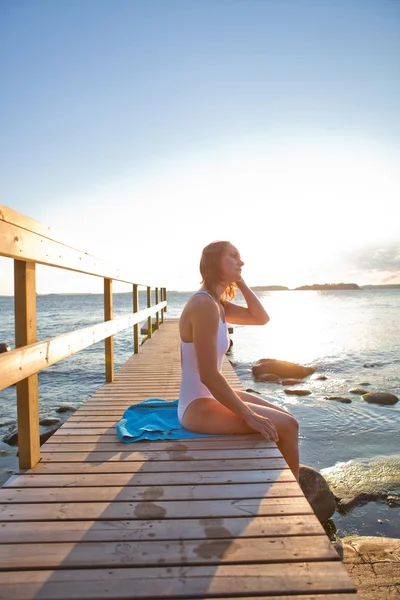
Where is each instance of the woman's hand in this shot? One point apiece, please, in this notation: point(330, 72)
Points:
point(263, 425)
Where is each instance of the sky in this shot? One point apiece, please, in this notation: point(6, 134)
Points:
point(142, 130)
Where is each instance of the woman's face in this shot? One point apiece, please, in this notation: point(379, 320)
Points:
point(231, 264)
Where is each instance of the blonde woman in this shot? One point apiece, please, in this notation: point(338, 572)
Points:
point(207, 403)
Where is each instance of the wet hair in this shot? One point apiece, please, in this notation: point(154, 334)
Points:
point(210, 269)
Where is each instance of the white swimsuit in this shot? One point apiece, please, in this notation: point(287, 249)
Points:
point(191, 385)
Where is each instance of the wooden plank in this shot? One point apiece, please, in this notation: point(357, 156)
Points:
point(27, 386)
point(159, 466)
point(8, 215)
point(158, 529)
point(21, 363)
point(191, 478)
point(70, 443)
point(149, 493)
point(22, 238)
point(169, 553)
point(177, 582)
point(198, 509)
point(173, 455)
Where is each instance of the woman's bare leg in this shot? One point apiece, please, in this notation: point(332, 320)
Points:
point(206, 415)
point(288, 442)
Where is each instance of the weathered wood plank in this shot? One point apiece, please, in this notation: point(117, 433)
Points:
point(161, 466)
point(173, 455)
point(146, 479)
point(178, 582)
point(164, 529)
point(170, 553)
point(151, 493)
point(198, 509)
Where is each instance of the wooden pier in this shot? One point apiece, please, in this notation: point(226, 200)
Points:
point(204, 518)
point(96, 518)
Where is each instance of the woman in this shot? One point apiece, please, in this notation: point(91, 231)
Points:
point(207, 403)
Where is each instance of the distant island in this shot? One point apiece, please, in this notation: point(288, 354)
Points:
point(329, 286)
point(268, 288)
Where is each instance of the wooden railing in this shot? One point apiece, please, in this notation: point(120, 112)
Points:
point(29, 243)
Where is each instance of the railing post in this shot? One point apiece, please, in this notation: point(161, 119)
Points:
point(158, 312)
point(162, 311)
point(108, 315)
point(165, 297)
point(136, 326)
point(27, 389)
point(149, 319)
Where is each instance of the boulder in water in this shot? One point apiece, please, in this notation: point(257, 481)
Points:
point(358, 391)
point(65, 408)
point(383, 398)
point(4, 348)
point(265, 377)
point(290, 381)
point(318, 493)
point(49, 421)
point(342, 399)
point(297, 392)
point(282, 368)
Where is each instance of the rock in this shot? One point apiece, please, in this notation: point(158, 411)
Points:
point(251, 391)
point(12, 438)
point(297, 392)
point(47, 434)
point(364, 383)
point(282, 368)
point(290, 381)
point(342, 399)
point(346, 504)
point(4, 348)
point(321, 377)
point(268, 377)
point(370, 365)
point(318, 493)
point(65, 408)
point(382, 398)
point(358, 390)
point(393, 500)
point(49, 421)
point(373, 564)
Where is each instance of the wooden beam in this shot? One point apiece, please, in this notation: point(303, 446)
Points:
point(157, 314)
point(135, 310)
point(109, 343)
point(27, 388)
point(21, 363)
point(21, 244)
point(149, 324)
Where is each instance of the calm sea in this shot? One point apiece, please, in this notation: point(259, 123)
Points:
point(340, 333)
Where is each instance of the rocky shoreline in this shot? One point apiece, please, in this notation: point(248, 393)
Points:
point(373, 564)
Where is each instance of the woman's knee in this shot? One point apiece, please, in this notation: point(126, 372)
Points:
point(289, 426)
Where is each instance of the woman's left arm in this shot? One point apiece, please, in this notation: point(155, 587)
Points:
point(253, 314)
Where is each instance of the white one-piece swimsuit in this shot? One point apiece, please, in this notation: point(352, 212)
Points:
point(191, 385)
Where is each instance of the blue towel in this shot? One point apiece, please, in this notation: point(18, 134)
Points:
point(153, 419)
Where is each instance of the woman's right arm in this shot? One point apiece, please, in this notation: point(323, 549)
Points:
point(205, 323)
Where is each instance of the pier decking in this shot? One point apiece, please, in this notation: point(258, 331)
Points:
point(207, 518)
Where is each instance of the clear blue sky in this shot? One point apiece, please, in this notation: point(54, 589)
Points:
point(272, 122)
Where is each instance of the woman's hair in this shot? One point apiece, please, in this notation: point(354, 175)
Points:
point(210, 269)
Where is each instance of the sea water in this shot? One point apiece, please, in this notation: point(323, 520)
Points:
point(351, 337)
